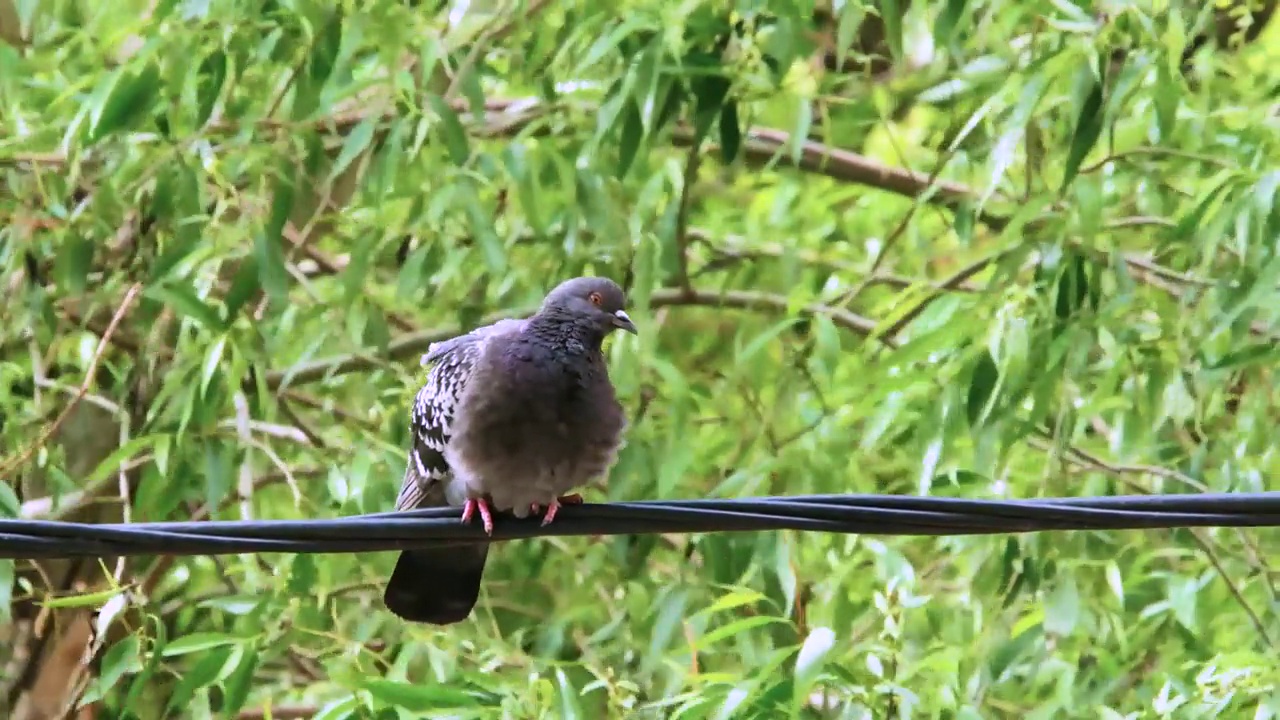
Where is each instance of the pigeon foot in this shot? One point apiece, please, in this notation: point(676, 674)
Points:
point(486, 518)
point(554, 507)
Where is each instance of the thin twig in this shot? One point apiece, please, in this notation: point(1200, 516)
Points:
point(1044, 439)
point(288, 412)
point(1154, 151)
point(1258, 626)
point(284, 432)
point(950, 283)
point(902, 225)
point(689, 178)
point(244, 487)
point(331, 409)
point(84, 387)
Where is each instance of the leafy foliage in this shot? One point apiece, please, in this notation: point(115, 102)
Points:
point(984, 248)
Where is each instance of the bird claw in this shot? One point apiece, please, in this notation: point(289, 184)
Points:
point(486, 518)
point(551, 512)
point(554, 507)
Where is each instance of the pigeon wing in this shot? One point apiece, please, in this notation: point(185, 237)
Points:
point(433, 411)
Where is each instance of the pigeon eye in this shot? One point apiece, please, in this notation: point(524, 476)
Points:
point(595, 299)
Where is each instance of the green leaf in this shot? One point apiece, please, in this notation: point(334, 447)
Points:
point(1073, 287)
point(948, 22)
point(800, 133)
point(355, 274)
point(455, 137)
point(302, 576)
point(1259, 290)
point(734, 600)
point(10, 506)
point(235, 604)
point(1089, 122)
point(182, 299)
point(267, 250)
point(570, 709)
point(852, 17)
point(246, 283)
point(669, 614)
point(1210, 199)
point(196, 642)
point(321, 58)
point(481, 223)
point(212, 362)
point(1166, 96)
point(141, 682)
point(340, 709)
point(207, 670)
point(1247, 356)
point(473, 91)
point(357, 142)
point(891, 14)
point(74, 260)
point(709, 92)
point(1005, 654)
point(240, 682)
point(389, 160)
point(122, 658)
point(730, 132)
point(669, 108)
point(737, 627)
point(1062, 607)
point(6, 587)
point(982, 386)
point(607, 43)
point(632, 134)
point(130, 97)
point(212, 75)
point(421, 698)
point(515, 158)
point(120, 455)
point(1184, 596)
point(93, 599)
point(377, 334)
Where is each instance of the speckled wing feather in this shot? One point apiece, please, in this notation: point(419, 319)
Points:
point(429, 420)
point(433, 411)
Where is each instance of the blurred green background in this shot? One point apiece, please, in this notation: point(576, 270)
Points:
point(979, 248)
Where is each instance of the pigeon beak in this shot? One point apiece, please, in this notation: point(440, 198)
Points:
point(622, 321)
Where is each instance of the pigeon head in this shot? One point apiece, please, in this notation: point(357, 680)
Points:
point(597, 301)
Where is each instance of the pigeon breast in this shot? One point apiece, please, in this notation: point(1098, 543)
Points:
point(538, 417)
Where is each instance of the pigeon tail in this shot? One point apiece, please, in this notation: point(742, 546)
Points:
point(438, 585)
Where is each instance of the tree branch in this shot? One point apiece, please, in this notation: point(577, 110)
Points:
point(762, 146)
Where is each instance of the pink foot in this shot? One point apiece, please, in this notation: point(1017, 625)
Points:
point(554, 507)
point(551, 512)
point(485, 517)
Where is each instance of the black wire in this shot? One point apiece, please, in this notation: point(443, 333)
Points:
point(870, 514)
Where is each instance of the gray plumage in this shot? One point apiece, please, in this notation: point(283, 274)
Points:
point(512, 417)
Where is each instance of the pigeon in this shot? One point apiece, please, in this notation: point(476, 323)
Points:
point(512, 417)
